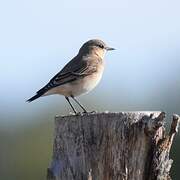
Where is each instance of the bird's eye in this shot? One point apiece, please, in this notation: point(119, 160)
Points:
point(101, 46)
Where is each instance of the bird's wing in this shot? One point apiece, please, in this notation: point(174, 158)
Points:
point(74, 70)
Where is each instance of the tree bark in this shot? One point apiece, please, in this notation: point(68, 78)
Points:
point(112, 146)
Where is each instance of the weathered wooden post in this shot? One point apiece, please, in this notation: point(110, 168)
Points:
point(112, 146)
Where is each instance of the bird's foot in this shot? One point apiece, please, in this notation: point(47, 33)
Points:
point(93, 112)
point(78, 113)
point(84, 113)
point(89, 112)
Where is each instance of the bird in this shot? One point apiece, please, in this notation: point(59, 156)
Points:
point(80, 75)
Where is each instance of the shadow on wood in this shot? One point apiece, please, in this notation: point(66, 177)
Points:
point(112, 146)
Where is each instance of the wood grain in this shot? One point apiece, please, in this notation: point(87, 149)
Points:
point(112, 146)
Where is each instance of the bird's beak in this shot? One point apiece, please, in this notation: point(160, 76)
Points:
point(109, 48)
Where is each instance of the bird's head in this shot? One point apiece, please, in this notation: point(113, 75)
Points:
point(95, 46)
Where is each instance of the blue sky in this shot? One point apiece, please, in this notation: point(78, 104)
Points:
point(37, 38)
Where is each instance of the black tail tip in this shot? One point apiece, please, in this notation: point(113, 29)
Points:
point(33, 98)
point(29, 100)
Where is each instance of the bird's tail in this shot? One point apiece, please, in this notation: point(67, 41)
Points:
point(38, 94)
point(33, 98)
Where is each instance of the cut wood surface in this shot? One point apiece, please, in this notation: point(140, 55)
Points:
point(112, 146)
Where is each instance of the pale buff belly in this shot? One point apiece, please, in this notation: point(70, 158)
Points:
point(78, 87)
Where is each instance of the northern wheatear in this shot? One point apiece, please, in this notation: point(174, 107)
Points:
point(80, 75)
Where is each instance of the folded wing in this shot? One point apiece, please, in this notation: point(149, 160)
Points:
point(74, 70)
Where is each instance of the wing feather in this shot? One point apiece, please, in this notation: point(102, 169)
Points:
point(74, 70)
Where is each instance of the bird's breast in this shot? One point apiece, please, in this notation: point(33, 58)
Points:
point(87, 83)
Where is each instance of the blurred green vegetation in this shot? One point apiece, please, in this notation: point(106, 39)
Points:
point(174, 154)
point(26, 152)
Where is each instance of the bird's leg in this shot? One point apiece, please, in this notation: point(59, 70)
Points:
point(70, 104)
point(79, 104)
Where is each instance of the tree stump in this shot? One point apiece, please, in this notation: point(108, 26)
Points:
point(112, 146)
